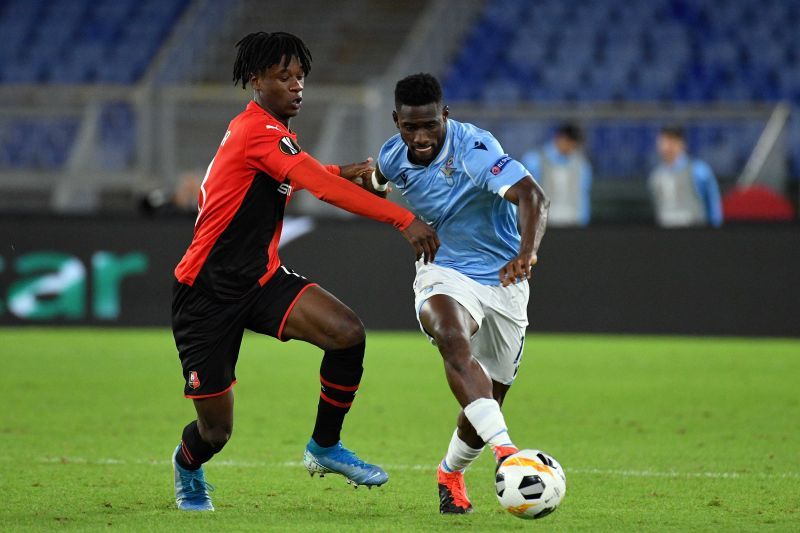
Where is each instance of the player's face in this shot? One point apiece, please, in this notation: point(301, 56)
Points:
point(279, 90)
point(422, 128)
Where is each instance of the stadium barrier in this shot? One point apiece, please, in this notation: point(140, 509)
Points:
point(740, 280)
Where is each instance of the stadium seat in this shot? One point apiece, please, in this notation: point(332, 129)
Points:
point(637, 50)
point(77, 42)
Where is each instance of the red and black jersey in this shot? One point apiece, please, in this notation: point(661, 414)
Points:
point(241, 205)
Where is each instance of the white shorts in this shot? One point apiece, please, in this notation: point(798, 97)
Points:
point(500, 312)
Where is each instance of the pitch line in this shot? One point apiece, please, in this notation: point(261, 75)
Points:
point(420, 467)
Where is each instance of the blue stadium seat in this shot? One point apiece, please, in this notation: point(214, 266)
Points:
point(638, 50)
point(78, 42)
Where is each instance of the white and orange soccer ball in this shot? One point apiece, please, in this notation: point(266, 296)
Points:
point(530, 484)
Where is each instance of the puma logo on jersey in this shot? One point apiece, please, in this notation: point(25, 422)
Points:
point(271, 127)
point(285, 188)
point(288, 146)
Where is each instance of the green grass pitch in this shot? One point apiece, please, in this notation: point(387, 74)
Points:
point(654, 433)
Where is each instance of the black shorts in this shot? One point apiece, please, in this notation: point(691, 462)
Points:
point(208, 332)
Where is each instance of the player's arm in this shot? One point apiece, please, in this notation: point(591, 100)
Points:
point(311, 175)
point(532, 207)
point(377, 183)
point(358, 173)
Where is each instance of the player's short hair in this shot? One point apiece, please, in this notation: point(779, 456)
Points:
point(676, 132)
point(260, 50)
point(571, 132)
point(417, 89)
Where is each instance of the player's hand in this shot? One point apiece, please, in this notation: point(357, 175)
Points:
point(518, 269)
point(423, 238)
point(359, 173)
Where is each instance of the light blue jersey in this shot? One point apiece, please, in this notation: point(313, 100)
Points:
point(460, 194)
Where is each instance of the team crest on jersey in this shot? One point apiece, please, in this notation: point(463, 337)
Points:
point(498, 166)
point(194, 381)
point(448, 170)
point(288, 146)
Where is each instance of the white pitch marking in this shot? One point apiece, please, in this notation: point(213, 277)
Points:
point(420, 467)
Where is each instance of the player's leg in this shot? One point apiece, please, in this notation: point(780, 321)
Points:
point(321, 319)
point(464, 448)
point(205, 437)
point(208, 335)
point(451, 326)
point(467, 434)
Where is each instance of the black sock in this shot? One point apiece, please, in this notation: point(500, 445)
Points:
point(194, 450)
point(339, 376)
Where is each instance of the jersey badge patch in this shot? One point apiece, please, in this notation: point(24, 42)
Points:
point(288, 146)
point(498, 166)
point(448, 170)
point(194, 381)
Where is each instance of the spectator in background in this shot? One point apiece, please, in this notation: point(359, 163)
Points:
point(685, 191)
point(181, 201)
point(564, 173)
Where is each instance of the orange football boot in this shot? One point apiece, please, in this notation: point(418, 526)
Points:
point(452, 492)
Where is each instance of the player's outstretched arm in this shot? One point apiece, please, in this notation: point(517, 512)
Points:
point(337, 191)
point(358, 173)
point(377, 183)
point(532, 206)
point(374, 182)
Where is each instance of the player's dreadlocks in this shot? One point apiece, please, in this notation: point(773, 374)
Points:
point(259, 51)
point(417, 89)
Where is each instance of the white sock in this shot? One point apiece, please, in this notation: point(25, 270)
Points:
point(485, 416)
point(459, 455)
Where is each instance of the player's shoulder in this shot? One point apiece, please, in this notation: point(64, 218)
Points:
point(391, 154)
point(469, 139)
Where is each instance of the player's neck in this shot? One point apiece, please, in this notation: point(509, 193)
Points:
point(282, 120)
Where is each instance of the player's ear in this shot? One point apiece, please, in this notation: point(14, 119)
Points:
point(445, 112)
point(394, 117)
point(255, 84)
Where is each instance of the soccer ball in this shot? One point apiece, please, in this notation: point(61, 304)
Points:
point(530, 484)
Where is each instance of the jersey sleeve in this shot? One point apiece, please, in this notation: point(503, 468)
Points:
point(338, 191)
point(386, 159)
point(490, 168)
point(272, 151)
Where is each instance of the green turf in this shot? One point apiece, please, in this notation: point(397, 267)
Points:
point(654, 434)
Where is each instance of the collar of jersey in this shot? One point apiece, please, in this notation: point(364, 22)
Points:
point(254, 107)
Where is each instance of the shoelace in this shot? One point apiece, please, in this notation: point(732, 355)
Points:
point(346, 456)
point(196, 484)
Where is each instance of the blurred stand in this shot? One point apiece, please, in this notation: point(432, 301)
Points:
point(119, 119)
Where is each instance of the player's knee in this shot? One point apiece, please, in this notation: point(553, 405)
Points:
point(348, 331)
point(453, 341)
point(218, 436)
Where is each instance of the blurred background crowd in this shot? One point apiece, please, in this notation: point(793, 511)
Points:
point(673, 112)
